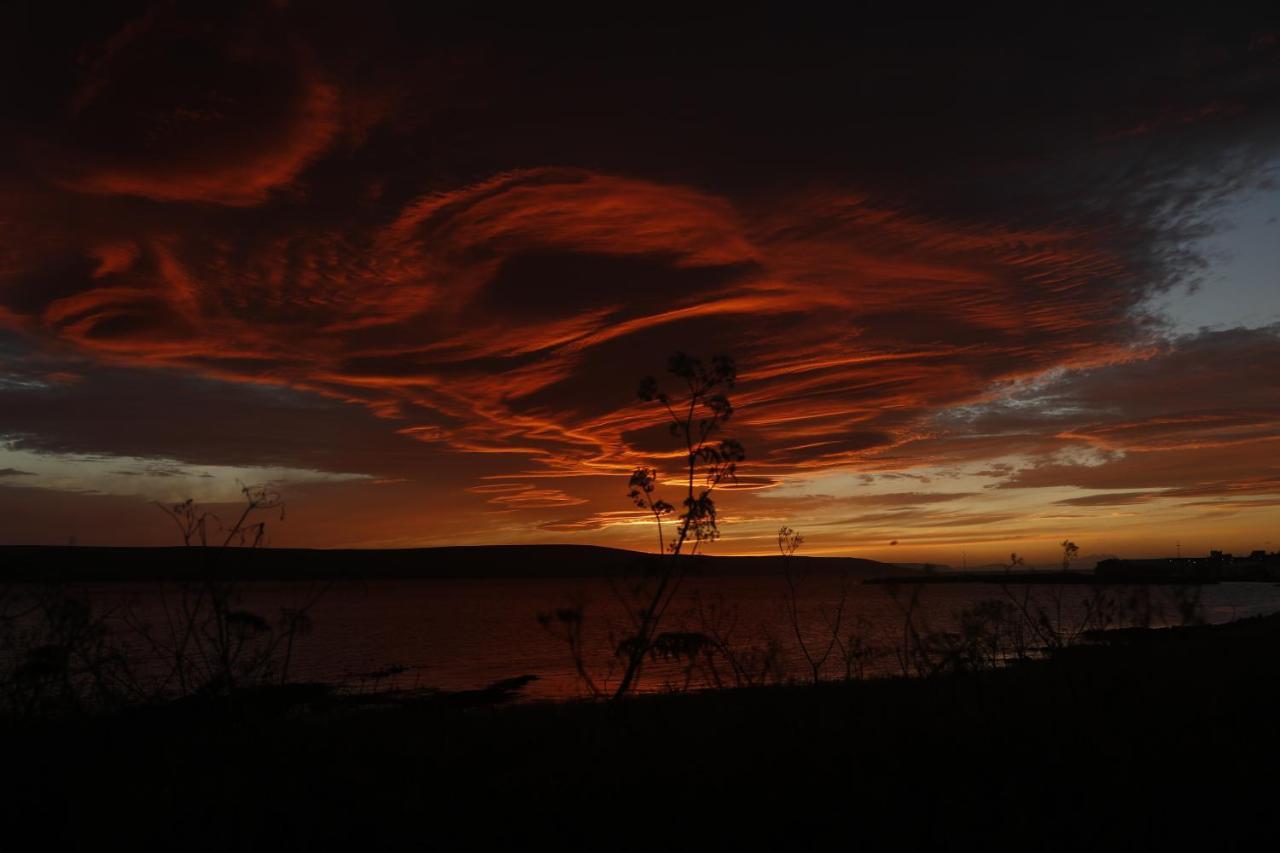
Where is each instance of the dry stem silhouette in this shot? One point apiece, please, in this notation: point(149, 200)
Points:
point(696, 415)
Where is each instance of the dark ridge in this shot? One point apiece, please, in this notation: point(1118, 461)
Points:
point(37, 563)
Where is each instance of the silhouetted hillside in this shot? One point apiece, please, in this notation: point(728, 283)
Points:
point(70, 563)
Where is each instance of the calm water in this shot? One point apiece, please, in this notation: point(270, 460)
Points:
point(467, 634)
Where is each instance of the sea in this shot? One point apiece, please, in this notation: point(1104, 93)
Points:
point(464, 635)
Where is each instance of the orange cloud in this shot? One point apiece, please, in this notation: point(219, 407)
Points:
point(406, 319)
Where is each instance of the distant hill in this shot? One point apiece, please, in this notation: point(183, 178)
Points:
point(85, 563)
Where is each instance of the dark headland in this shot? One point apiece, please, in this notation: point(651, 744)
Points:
point(93, 564)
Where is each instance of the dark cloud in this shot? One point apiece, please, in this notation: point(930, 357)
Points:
point(1199, 413)
point(1216, 470)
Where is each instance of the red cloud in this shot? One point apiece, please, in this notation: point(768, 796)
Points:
point(809, 294)
point(581, 211)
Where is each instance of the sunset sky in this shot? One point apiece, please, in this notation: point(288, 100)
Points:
point(988, 287)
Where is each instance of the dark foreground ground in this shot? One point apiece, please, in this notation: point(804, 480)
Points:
point(1167, 740)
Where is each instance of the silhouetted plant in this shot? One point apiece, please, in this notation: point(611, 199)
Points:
point(1049, 619)
point(751, 659)
point(61, 657)
point(191, 520)
point(815, 650)
point(60, 654)
point(1069, 552)
point(565, 624)
point(690, 650)
point(789, 541)
point(209, 642)
point(1054, 625)
point(988, 635)
point(913, 650)
point(697, 415)
point(857, 651)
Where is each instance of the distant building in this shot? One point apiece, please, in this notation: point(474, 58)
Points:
point(1218, 566)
